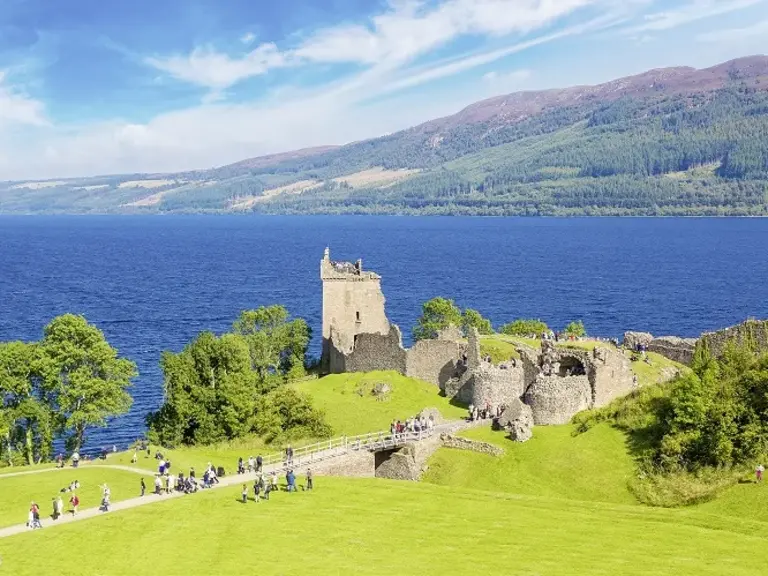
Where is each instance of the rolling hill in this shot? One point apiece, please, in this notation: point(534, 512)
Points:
point(673, 141)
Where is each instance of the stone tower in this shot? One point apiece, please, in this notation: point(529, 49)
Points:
point(352, 304)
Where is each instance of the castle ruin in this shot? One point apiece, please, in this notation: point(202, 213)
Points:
point(542, 387)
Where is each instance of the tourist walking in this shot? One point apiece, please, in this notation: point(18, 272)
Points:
point(158, 484)
point(759, 472)
point(74, 501)
point(58, 507)
point(135, 456)
point(33, 521)
point(259, 462)
point(143, 487)
point(274, 482)
point(75, 460)
point(289, 455)
point(309, 479)
point(245, 493)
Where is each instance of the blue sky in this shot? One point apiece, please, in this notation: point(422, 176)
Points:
point(91, 87)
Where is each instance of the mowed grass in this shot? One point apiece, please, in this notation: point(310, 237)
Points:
point(17, 492)
point(593, 466)
point(386, 527)
point(351, 409)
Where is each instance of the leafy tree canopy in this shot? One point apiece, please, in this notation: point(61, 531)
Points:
point(525, 327)
point(436, 315)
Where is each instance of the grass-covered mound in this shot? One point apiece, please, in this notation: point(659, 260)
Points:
point(17, 492)
point(593, 466)
point(351, 407)
point(383, 527)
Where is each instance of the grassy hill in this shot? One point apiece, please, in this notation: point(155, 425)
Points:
point(667, 142)
point(552, 464)
point(388, 527)
point(350, 407)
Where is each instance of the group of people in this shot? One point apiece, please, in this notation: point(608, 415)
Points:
point(415, 424)
point(487, 413)
point(57, 504)
point(254, 464)
point(263, 487)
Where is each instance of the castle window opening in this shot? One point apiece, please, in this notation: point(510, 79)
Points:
point(357, 315)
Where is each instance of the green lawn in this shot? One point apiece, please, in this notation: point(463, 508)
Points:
point(17, 492)
point(350, 413)
point(591, 466)
point(387, 527)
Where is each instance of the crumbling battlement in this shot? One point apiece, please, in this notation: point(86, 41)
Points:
point(751, 333)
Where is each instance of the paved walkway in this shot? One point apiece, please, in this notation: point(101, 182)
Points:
point(150, 498)
point(83, 465)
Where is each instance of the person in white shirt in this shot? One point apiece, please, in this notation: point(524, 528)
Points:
point(759, 472)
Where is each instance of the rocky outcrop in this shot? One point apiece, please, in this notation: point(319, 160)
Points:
point(517, 419)
point(633, 339)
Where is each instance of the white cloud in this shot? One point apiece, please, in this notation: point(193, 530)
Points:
point(407, 30)
point(211, 69)
point(248, 38)
point(410, 29)
point(690, 12)
point(18, 108)
point(736, 35)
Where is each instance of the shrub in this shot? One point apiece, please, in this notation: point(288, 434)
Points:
point(575, 329)
point(524, 327)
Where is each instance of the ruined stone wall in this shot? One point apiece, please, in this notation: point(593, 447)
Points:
point(459, 443)
point(555, 399)
point(496, 386)
point(377, 352)
point(752, 333)
point(676, 349)
point(433, 361)
point(355, 464)
point(610, 375)
point(410, 461)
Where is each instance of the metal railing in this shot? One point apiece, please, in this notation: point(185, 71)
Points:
point(334, 447)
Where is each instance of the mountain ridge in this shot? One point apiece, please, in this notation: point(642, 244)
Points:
point(674, 140)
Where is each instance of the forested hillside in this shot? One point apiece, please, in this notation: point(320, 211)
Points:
point(676, 141)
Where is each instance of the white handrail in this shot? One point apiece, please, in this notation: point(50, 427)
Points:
point(341, 445)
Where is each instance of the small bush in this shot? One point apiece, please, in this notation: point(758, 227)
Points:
point(575, 329)
point(681, 487)
point(525, 327)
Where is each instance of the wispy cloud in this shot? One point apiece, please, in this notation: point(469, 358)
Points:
point(688, 13)
point(248, 38)
point(728, 35)
point(211, 69)
point(407, 30)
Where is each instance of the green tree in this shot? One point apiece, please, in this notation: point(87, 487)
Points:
point(277, 345)
point(473, 319)
point(86, 380)
point(210, 392)
point(286, 412)
point(26, 418)
point(525, 327)
point(575, 329)
point(436, 315)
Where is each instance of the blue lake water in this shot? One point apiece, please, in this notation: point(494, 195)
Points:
point(152, 283)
